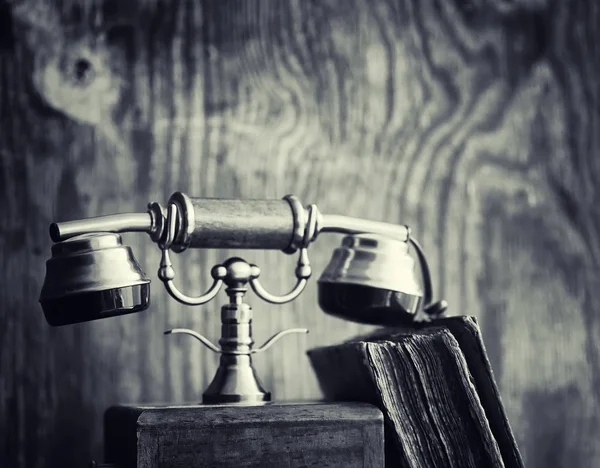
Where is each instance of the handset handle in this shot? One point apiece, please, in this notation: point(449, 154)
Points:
point(275, 224)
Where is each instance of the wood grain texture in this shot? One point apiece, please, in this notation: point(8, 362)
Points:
point(475, 122)
point(293, 435)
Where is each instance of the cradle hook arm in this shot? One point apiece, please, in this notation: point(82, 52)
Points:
point(303, 273)
point(205, 341)
point(271, 341)
point(166, 273)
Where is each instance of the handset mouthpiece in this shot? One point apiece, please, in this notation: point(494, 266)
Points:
point(92, 276)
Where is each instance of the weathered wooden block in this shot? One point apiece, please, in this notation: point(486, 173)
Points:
point(274, 435)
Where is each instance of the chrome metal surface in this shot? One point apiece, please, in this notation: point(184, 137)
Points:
point(266, 296)
point(95, 305)
point(246, 272)
point(348, 225)
point(235, 380)
point(306, 223)
point(375, 261)
point(299, 223)
point(90, 262)
point(92, 276)
point(202, 339)
point(166, 273)
point(125, 222)
point(303, 273)
point(276, 337)
point(185, 220)
point(370, 279)
point(297, 226)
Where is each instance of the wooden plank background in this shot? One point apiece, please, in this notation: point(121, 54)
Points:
point(474, 121)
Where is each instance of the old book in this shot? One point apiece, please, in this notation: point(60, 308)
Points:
point(435, 387)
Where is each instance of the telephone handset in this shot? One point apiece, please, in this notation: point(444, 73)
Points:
point(370, 278)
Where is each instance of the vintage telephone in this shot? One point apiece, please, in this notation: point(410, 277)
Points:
point(370, 279)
